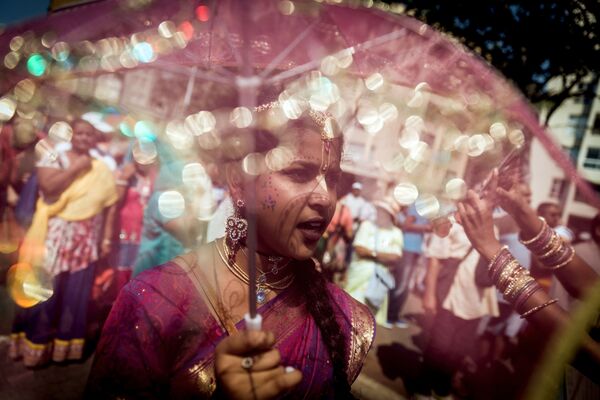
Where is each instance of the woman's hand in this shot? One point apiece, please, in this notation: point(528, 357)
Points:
point(476, 219)
point(265, 378)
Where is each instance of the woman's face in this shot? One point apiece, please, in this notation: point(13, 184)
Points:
point(84, 137)
point(294, 205)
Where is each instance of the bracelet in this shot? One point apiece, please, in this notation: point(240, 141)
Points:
point(553, 245)
point(528, 290)
point(536, 237)
point(493, 259)
point(538, 308)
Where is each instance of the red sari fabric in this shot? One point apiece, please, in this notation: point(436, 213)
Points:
point(160, 337)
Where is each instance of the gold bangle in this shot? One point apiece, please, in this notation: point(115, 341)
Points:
point(506, 273)
point(495, 257)
point(562, 264)
point(538, 308)
point(554, 246)
point(520, 282)
point(536, 237)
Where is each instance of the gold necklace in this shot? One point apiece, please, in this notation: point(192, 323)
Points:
point(262, 287)
point(272, 285)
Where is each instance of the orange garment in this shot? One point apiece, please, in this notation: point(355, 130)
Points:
point(341, 219)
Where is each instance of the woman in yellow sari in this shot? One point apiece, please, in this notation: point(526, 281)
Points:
point(71, 230)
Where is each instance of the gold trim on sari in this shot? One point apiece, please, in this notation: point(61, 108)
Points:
point(363, 334)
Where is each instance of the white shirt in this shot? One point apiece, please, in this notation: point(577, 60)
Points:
point(355, 204)
point(465, 299)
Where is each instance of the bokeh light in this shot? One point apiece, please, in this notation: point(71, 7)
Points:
point(194, 176)
point(7, 108)
point(374, 82)
point(187, 29)
point(498, 131)
point(427, 205)
point(179, 136)
point(202, 13)
point(24, 90)
point(456, 189)
point(516, 137)
point(126, 128)
point(167, 29)
point(279, 158)
point(240, 117)
point(254, 164)
point(61, 51)
point(145, 131)
point(476, 145)
point(48, 39)
point(286, 7)
point(200, 123)
point(406, 193)
point(143, 52)
point(36, 65)
point(11, 60)
point(28, 287)
point(60, 132)
point(44, 149)
point(171, 204)
point(144, 152)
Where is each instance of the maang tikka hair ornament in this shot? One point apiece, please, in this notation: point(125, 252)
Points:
point(236, 229)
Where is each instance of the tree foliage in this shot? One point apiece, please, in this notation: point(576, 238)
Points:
point(530, 42)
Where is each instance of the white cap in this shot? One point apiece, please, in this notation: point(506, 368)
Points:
point(357, 185)
point(97, 121)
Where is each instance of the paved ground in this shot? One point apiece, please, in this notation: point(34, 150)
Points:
point(392, 357)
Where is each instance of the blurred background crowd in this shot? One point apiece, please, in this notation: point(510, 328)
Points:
point(120, 135)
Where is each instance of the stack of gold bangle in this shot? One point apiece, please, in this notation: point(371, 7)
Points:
point(513, 280)
point(549, 248)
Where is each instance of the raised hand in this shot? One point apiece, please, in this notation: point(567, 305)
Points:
point(82, 163)
point(476, 218)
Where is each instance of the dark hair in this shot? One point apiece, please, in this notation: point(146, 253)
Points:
point(318, 301)
point(594, 225)
point(319, 305)
point(545, 206)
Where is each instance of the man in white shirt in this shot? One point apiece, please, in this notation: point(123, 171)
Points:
point(457, 304)
point(355, 202)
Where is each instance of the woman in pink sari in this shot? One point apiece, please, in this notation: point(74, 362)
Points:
point(176, 331)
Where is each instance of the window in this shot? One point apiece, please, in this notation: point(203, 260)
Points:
point(596, 125)
point(592, 158)
point(558, 188)
point(581, 198)
point(578, 122)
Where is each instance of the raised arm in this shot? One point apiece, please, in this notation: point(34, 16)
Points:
point(574, 274)
point(515, 283)
point(54, 181)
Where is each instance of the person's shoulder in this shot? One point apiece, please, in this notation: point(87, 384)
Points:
point(168, 279)
point(361, 325)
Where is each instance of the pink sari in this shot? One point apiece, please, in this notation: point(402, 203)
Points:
point(160, 337)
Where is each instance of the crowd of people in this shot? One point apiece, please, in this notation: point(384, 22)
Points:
point(109, 231)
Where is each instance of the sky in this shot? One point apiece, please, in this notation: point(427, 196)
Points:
point(12, 11)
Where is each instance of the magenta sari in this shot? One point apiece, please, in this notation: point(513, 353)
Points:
point(160, 337)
